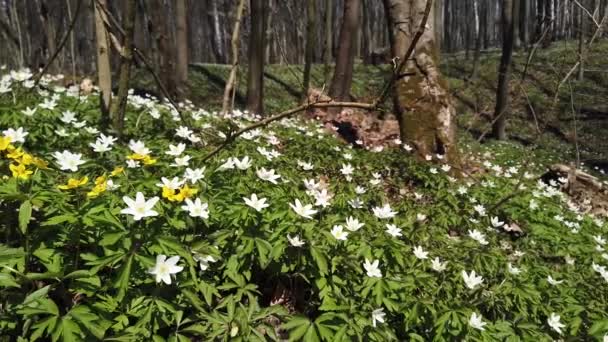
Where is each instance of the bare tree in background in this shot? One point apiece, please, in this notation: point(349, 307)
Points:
point(423, 106)
point(502, 91)
point(231, 83)
point(343, 73)
point(104, 73)
point(119, 105)
point(255, 79)
point(328, 39)
point(181, 65)
point(166, 50)
point(311, 42)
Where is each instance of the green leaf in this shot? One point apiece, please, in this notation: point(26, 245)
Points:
point(264, 248)
point(55, 220)
point(122, 282)
point(320, 259)
point(111, 238)
point(25, 213)
point(7, 280)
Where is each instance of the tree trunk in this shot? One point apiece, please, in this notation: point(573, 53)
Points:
point(581, 44)
point(255, 79)
point(516, 15)
point(119, 106)
point(343, 73)
point(181, 67)
point(218, 39)
point(104, 73)
point(311, 41)
point(329, 33)
point(502, 92)
point(72, 41)
point(166, 50)
point(523, 23)
point(424, 110)
point(481, 9)
point(230, 84)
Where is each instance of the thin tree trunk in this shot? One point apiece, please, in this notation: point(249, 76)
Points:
point(72, 42)
point(18, 27)
point(524, 26)
point(343, 73)
point(581, 44)
point(516, 16)
point(502, 92)
point(329, 33)
point(104, 73)
point(218, 41)
point(425, 112)
point(482, 12)
point(268, 29)
point(119, 106)
point(166, 50)
point(181, 67)
point(230, 84)
point(311, 42)
point(255, 79)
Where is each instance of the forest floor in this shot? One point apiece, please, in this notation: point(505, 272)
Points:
point(289, 231)
point(537, 117)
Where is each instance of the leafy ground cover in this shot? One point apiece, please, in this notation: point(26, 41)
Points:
point(288, 233)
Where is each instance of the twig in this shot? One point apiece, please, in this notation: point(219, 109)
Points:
point(232, 136)
point(408, 54)
point(61, 45)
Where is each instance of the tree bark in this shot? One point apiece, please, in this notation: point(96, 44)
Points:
point(502, 91)
point(104, 72)
point(119, 106)
point(166, 50)
point(581, 44)
point(181, 67)
point(311, 13)
point(230, 84)
point(329, 33)
point(516, 17)
point(343, 73)
point(255, 79)
point(424, 109)
point(218, 39)
point(72, 42)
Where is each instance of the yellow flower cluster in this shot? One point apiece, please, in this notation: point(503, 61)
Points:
point(74, 183)
point(178, 195)
point(101, 183)
point(20, 159)
point(146, 159)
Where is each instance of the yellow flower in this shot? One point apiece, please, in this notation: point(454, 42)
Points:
point(19, 171)
point(186, 192)
point(136, 156)
point(27, 159)
point(14, 153)
point(169, 193)
point(5, 142)
point(39, 163)
point(149, 161)
point(100, 186)
point(117, 171)
point(100, 180)
point(74, 183)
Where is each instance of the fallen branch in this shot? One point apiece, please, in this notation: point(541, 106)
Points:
point(233, 135)
point(579, 175)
